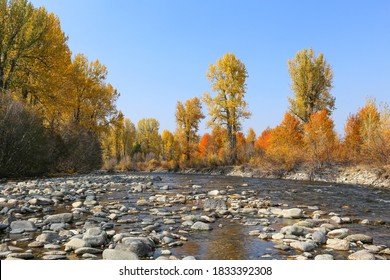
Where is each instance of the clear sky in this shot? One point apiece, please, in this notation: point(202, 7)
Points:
point(157, 52)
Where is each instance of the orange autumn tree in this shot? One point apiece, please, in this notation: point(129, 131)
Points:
point(204, 147)
point(262, 143)
point(320, 138)
point(241, 146)
point(286, 143)
point(353, 139)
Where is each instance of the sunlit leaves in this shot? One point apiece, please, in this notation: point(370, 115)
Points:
point(311, 83)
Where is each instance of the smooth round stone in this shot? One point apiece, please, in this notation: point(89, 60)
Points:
point(54, 257)
point(324, 257)
point(87, 250)
point(361, 255)
point(166, 252)
point(36, 244)
point(89, 256)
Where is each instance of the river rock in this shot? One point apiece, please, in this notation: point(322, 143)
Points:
point(54, 257)
point(304, 246)
point(95, 237)
point(336, 219)
point(319, 237)
point(141, 246)
point(201, 226)
point(23, 256)
point(87, 250)
point(189, 258)
point(74, 244)
point(48, 237)
point(338, 244)
point(23, 225)
point(213, 193)
point(338, 233)
point(36, 244)
point(324, 257)
point(214, 204)
point(77, 204)
point(293, 213)
point(359, 237)
point(293, 230)
point(361, 255)
point(59, 218)
point(385, 251)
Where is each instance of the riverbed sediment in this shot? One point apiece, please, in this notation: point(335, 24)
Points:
point(167, 216)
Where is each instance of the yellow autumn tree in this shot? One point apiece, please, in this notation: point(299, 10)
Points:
point(188, 117)
point(311, 83)
point(228, 107)
point(148, 137)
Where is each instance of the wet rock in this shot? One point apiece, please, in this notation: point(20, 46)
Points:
point(141, 246)
point(336, 219)
point(40, 201)
point(319, 237)
point(48, 237)
point(24, 225)
point(338, 233)
point(304, 246)
point(293, 230)
point(282, 247)
point(95, 237)
point(385, 251)
point(59, 218)
point(278, 236)
point(23, 256)
point(293, 213)
point(359, 237)
point(324, 257)
point(338, 244)
point(75, 243)
point(372, 248)
point(213, 193)
point(201, 226)
point(36, 244)
point(87, 250)
point(189, 258)
point(77, 204)
point(361, 255)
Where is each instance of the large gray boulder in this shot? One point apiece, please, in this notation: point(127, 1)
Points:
point(95, 237)
point(59, 218)
point(141, 246)
point(338, 233)
point(201, 226)
point(319, 237)
point(359, 237)
point(23, 225)
point(293, 230)
point(304, 246)
point(48, 237)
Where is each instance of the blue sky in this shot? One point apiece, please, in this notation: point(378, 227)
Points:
point(157, 52)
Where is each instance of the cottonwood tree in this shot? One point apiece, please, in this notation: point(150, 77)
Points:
point(188, 117)
point(311, 83)
point(228, 107)
point(148, 137)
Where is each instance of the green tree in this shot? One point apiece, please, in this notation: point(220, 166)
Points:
point(311, 83)
point(227, 77)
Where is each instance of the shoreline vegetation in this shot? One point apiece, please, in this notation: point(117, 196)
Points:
point(58, 115)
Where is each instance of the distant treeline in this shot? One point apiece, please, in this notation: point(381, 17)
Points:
point(58, 113)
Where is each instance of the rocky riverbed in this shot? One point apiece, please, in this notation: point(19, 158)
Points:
point(148, 216)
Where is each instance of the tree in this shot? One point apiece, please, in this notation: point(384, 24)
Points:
point(227, 77)
point(167, 145)
point(188, 116)
point(91, 100)
point(374, 131)
point(311, 79)
point(286, 143)
point(204, 148)
point(320, 138)
point(262, 143)
point(353, 139)
point(148, 137)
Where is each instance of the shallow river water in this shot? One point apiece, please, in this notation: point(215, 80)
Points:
point(229, 238)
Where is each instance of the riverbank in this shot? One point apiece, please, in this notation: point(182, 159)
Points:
point(376, 177)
